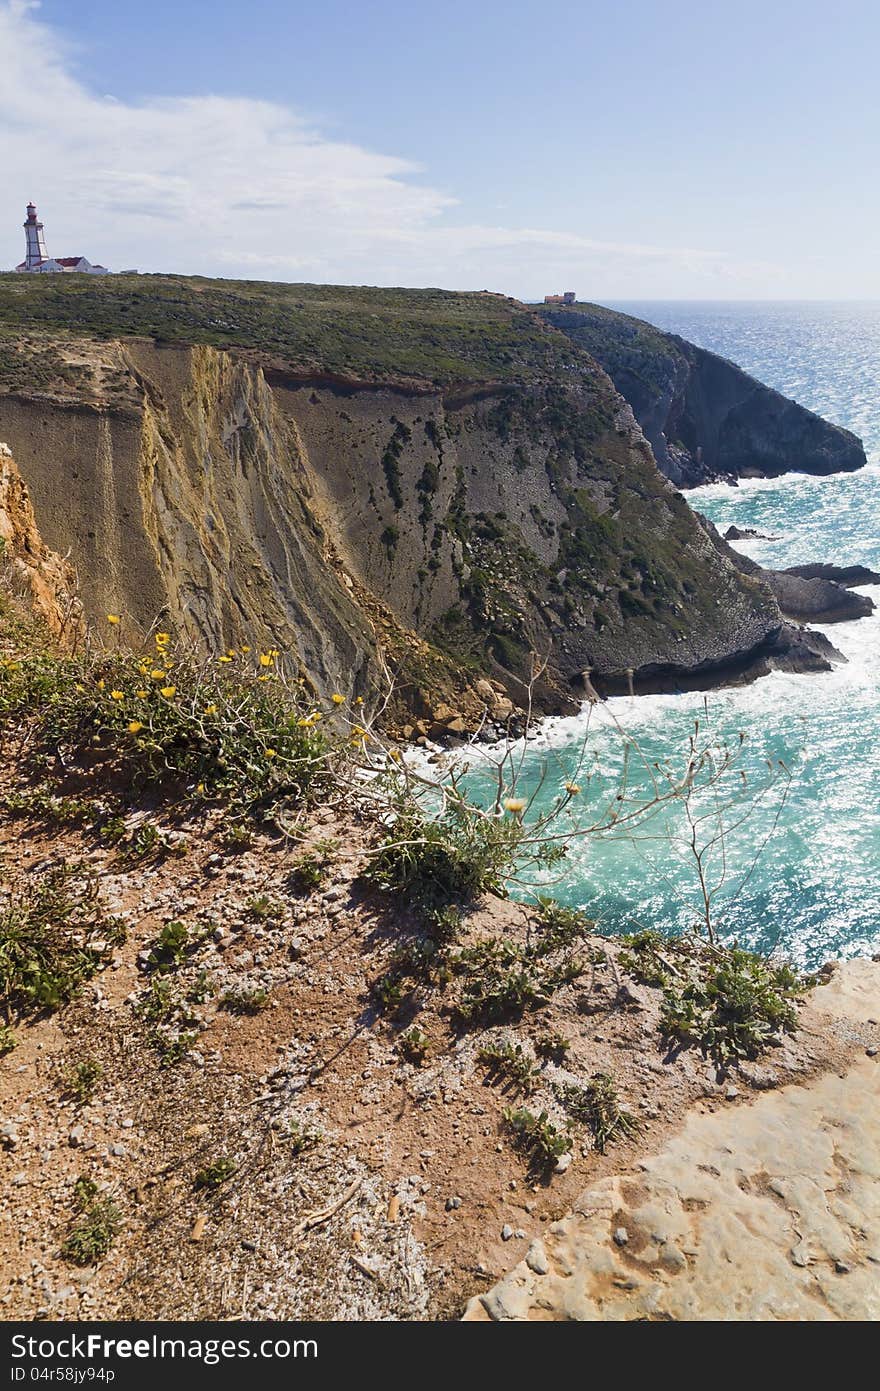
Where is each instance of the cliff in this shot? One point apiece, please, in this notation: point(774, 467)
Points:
point(31, 572)
point(423, 480)
point(706, 418)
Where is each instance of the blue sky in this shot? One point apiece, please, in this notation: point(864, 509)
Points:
point(639, 150)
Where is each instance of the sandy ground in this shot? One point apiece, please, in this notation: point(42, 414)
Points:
point(411, 1201)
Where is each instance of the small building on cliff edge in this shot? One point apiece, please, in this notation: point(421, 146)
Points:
point(567, 297)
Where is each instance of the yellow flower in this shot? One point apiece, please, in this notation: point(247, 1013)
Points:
point(394, 754)
point(262, 678)
point(337, 698)
point(141, 694)
point(244, 647)
point(266, 659)
point(572, 788)
point(101, 684)
point(163, 639)
point(515, 805)
point(230, 651)
point(200, 787)
point(113, 618)
point(224, 659)
point(157, 674)
point(270, 753)
point(359, 700)
point(210, 709)
point(168, 691)
point(135, 727)
point(117, 695)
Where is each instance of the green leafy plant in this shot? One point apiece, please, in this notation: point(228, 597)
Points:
point(245, 1000)
point(596, 1106)
point(95, 1227)
point(413, 1046)
point(729, 1002)
point(501, 980)
point(559, 926)
point(8, 1041)
point(300, 1136)
point(509, 1064)
point(734, 1008)
point(54, 935)
point(542, 1142)
point(452, 859)
point(81, 1079)
point(214, 1175)
point(552, 1046)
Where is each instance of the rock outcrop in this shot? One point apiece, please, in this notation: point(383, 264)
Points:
point(769, 1211)
point(804, 593)
point(45, 581)
point(705, 417)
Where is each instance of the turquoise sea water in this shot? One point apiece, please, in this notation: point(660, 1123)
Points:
point(814, 890)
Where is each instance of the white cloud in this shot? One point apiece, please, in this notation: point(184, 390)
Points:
point(229, 186)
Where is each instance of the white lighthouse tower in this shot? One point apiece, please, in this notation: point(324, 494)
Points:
point(34, 240)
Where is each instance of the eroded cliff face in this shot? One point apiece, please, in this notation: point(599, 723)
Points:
point(706, 419)
point(446, 531)
point(31, 571)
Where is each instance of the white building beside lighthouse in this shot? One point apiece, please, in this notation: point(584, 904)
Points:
point(37, 260)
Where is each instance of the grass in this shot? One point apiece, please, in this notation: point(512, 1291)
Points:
point(438, 335)
point(95, 1227)
point(54, 935)
point(729, 1002)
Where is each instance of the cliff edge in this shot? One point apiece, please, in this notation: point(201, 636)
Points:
point(707, 419)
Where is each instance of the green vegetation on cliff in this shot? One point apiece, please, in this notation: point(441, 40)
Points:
point(353, 331)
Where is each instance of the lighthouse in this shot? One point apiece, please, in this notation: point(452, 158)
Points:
point(34, 240)
point(36, 260)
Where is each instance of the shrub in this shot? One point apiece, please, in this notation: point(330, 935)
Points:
point(162, 722)
point(453, 859)
point(96, 1226)
point(8, 1041)
point(54, 935)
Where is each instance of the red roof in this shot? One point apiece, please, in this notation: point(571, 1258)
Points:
point(67, 260)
